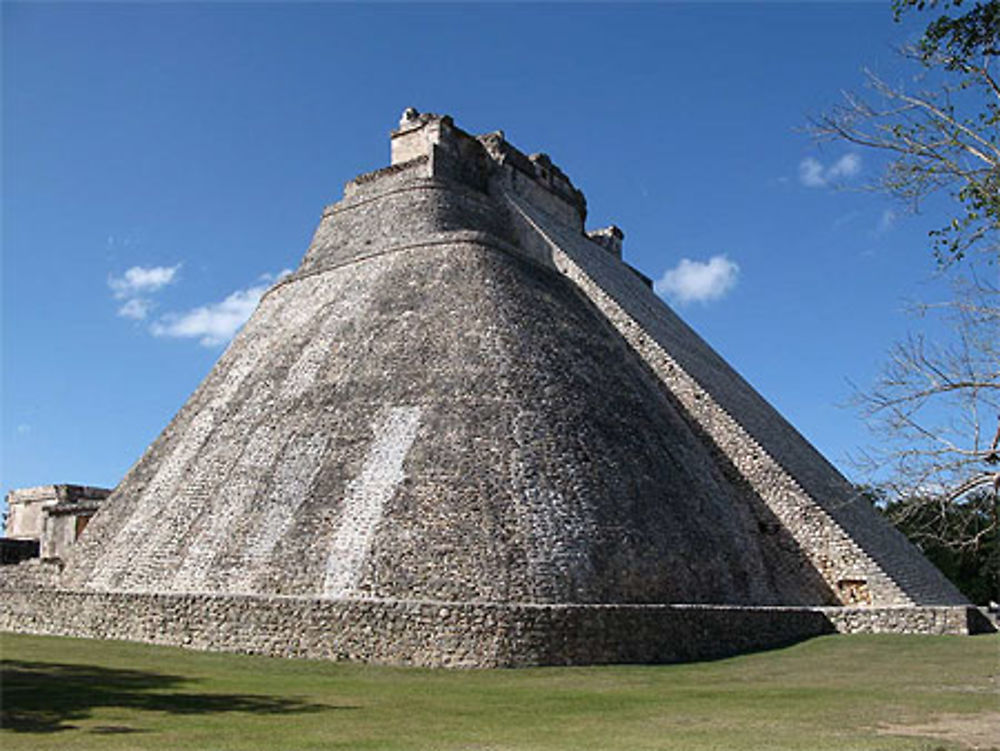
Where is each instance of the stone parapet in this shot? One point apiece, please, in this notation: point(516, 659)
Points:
point(451, 634)
point(929, 619)
point(447, 151)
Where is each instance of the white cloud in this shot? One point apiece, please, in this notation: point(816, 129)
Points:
point(268, 277)
point(23, 429)
point(698, 281)
point(137, 308)
point(134, 286)
point(885, 222)
point(847, 166)
point(212, 324)
point(138, 280)
point(813, 174)
point(216, 323)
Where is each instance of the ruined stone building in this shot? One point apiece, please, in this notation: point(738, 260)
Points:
point(465, 432)
point(50, 518)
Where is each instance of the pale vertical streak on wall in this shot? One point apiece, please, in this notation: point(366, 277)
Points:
point(226, 476)
point(293, 476)
point(350, 302)
point(118, 556)
point(228, 505)
point(555, 532)
point(365, 498)
point(118, 562)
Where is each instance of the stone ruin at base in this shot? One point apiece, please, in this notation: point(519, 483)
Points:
point(464, 432)
point(44, 522)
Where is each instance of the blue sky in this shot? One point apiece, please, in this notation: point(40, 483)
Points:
point(163, 162)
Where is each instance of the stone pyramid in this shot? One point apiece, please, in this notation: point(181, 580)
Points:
point(464, 431)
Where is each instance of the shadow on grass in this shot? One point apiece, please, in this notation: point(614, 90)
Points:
point(43, 697)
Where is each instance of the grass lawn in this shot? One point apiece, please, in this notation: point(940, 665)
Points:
point(858, 692)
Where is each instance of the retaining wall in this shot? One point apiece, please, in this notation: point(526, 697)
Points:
point(448, 634)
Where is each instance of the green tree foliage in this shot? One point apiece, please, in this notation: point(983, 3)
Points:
point(944, 136)
point(933, 526)
point(967, 37)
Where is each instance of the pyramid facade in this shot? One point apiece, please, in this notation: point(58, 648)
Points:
point(462, 402)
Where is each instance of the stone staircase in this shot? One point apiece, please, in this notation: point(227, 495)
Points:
point(854, 575)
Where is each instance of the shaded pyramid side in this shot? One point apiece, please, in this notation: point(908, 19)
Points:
point(863, 559)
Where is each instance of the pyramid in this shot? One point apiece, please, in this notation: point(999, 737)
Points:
point(465, 431)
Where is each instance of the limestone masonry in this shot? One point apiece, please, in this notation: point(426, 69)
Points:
point(465, 432)
point(51, 516)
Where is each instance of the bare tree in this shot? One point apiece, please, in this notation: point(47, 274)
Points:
point(936, 411)
point(943, 135)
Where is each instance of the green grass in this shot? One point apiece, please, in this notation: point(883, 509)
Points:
point(827, 693)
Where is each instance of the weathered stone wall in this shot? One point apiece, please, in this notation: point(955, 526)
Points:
point(33, 573)
point(13, 551)
point(464, 433)
point(535, 179)
point(450, 634)
point(931, 619)
point(52, 515)
point(380, 217)
point(62, 528)
point(60, 534)
point(26, 511)
point(543, 464)
point(857, 552)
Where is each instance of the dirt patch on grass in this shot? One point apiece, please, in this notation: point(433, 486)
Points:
point(975, 731)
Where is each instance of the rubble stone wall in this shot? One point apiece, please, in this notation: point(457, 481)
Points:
point(449, 634)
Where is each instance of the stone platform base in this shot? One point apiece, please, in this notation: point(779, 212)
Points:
point(447, 634)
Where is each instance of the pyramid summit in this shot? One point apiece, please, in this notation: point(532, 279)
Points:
point(465, 432)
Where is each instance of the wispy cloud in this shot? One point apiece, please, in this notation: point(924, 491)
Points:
point(269, 277)
point(814, 174)
point(847, 219)
point(137, 308)
point(885, 222)
point(215, 323)
point(23, 429)
point(140, 280)
point(698, 281)
point(135, 286)
point(847, 166)
point(811, 173)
